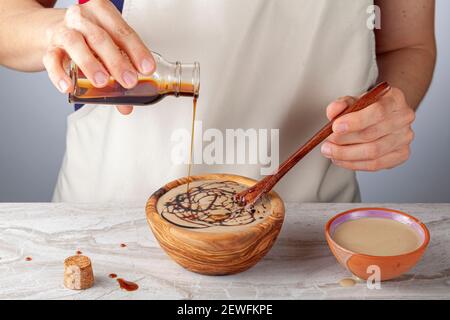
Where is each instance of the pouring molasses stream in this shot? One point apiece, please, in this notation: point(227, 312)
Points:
point(170, 79)
point(252, 194)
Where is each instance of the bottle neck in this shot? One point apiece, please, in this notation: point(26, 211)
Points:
point(188, 79)
point(179, 79)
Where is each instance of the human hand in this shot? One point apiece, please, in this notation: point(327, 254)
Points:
point(96, 37)
point(375, 138)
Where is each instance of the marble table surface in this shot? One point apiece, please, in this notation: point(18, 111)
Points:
point(299, 266)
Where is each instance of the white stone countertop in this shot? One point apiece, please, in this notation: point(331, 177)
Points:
point(299, 266)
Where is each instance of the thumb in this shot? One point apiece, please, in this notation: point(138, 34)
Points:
point(125, 110)
point(336, 107)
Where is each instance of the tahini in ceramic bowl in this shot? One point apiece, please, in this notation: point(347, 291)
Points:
point(205, 231)
point(390, 266)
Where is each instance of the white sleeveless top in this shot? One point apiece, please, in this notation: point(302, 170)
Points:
point(265, 64)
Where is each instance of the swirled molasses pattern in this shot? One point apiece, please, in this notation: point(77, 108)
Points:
point(209, 204)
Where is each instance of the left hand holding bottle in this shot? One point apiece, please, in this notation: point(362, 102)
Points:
point(375, 138)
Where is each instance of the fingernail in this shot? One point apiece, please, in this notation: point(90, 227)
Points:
point(147, 66)
point(130, 78)
point(326, 149)
point(63, 86)
point(100, 78)
point(341, 128)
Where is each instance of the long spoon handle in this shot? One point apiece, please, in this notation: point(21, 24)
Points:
point(252, 194)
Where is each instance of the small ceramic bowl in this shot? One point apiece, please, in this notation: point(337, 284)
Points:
point(212, 251)
point(390, 266)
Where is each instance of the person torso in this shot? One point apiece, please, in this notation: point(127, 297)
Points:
point(265, 64)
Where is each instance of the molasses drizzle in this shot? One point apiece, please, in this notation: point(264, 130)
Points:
point(127, 285)
point(194, 112)
point(199, 206)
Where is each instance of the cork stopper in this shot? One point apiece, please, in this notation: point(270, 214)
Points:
point(78, 274)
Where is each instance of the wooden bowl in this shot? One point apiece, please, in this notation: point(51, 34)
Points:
point(390, 266)
point(211, 252)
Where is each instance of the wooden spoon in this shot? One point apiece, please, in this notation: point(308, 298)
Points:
point(252, 194)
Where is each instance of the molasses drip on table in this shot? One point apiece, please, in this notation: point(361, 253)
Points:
point(127, 285)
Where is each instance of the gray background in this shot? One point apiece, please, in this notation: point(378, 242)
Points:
point(32, 137)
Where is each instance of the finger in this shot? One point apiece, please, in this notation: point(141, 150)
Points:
point(397, 121)
point(110, 19)
point(360, 120)
point(125, 110)
point(101, 43)
point(388, 161)
point(368, 151)
point(53, 62)
point(76, 47)
point(336, 107)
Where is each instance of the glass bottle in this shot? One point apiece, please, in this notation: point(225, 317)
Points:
point(169, 79)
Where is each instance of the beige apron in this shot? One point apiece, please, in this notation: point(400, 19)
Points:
point(265, 64)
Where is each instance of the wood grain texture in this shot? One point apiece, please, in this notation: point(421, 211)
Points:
point(216, 253)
